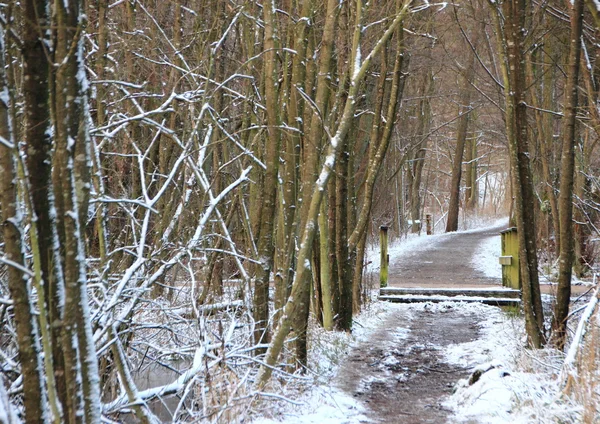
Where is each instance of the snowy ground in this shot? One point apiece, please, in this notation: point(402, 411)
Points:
point(511, 384)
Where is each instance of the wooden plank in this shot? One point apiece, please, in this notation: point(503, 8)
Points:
point(477, 292)
point(494, 301)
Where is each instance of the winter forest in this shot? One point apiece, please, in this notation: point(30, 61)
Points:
point(192, 193)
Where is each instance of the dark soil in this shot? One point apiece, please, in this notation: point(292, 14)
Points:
point(405, 380)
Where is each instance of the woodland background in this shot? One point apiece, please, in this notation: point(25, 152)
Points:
point(169, 167)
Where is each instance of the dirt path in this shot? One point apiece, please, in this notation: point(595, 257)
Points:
point(399, 375)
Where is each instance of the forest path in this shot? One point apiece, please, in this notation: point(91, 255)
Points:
point(399, 375)
point(447, 262)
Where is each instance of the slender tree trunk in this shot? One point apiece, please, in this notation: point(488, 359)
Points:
point(424, 123)
point(19, 284)
point(344, 316)
point(545, 135)
point(567, 165)
point(464, 110)
point(73, 156)
point(290, 154)
point(39, 145)
point(267, 224)
point(378, 154)
point(312, 150)
point(511, 48)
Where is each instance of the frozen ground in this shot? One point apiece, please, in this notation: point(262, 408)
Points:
point(493, 378)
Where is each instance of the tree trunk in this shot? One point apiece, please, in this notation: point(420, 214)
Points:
point(424, 123)
point(267, 224)
point(511, 48)
point(567, 165)
point(312, 150)
point(19, 284)
point(464, 110)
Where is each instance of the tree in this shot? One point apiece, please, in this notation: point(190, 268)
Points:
point(509, 25)
point(266, 245)
point(19, 277)
point(300, 287)
point(464, 110)
point(567, 165)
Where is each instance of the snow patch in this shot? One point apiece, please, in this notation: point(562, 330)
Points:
point(508, 384)
point(486, 258)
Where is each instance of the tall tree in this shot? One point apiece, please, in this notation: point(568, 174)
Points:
point(510, 32)
point(567, 165)
point(72, 190)
point(464, 111)
point(19, 282)
point(267, 224)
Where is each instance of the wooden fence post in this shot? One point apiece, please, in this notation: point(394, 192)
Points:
point(429, 223)
point(385, 259)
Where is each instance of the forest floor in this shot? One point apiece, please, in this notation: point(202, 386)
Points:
point(404, 361)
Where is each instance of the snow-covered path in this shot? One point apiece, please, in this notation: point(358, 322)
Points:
point(448, 260)
point(400, 373)
point(403, 361)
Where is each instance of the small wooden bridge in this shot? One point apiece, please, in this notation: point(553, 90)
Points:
point(442, 271)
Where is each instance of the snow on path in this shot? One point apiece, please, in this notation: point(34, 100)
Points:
point(504, 393)
point(414, 244)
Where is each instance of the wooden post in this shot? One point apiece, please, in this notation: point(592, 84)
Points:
point(429, 223)
point(383, 270)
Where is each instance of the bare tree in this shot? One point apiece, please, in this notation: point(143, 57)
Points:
point(567, 256)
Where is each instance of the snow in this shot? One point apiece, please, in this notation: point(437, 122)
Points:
point(324, 406)
point(514, 384)
point(413, 245)
point(322, 402)
point(357, 64)
point(486, 258)
point(8, 414)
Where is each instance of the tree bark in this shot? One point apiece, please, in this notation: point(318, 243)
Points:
point(72, 154)
point(19, 284)
point(567, 164)
point(311, 151)
point(464, 110)
point(511, 48)
point(424, 124)
point(266, 246)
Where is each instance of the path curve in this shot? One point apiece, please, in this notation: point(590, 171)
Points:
point(446, 262)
